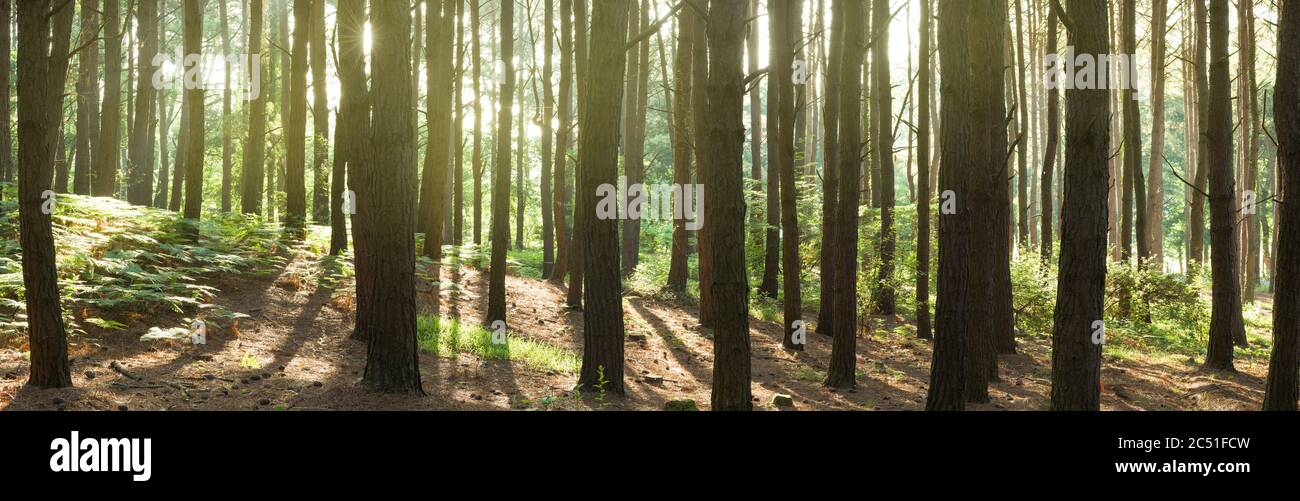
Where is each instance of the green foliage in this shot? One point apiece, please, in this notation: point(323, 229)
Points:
point(116, 257)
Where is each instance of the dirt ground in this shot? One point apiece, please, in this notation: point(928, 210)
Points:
point(293, 353)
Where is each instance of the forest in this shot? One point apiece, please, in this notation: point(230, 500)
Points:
point(1074, 205)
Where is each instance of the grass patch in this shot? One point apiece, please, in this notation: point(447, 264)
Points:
point(449, 337)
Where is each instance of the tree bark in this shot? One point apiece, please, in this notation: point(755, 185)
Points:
point(87, 96)
point(562, 141)
point(1280, 391)
point(731, 364)
point(791, 265)
point(883, 147)
point(772, 236)
point(295, 211)
point(109, 152)
point(250, 177)
point(831, 175)
point(1225, 316)
point(1053, 140)
point(925, 67)
point(44, 34)
point(848, 14)
point(683, 143)
point(1081, 279)
point(386, 184)
point(602, 320)
point(1155, 185)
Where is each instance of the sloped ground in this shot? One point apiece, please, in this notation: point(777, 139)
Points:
point(293, 352)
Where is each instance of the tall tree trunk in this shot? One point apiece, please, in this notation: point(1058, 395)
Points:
point(848, 15)
point(295, 211)
point(164, 122)
point(1280, 391)
point(683, 60)
point(602, 319)
point(1134, 185)
point(1155, 182)
point(1081, 279)
point(578, 239)
point(924, 66)
point(109, 152)
point(352, 136)
point(385, 182)
point(1225, 316)
point(140, 187)
point(633, 169)
point(501, 173)
point(476, 50)
point(791, 265)
point(731, 364)
point(772, 237)
point(1022, 141)
point(883, 147)
point(6, 141)
point(43, 39)
point(699, 128)
point(1202, 177)
point(250, 176)
point(547, 113)
point(87, 96)
point(562, 141)
point(437, 157)
point(226, 141)
point(320, 200)
point(1053, 140)
point(831, 176)
point(194, 125)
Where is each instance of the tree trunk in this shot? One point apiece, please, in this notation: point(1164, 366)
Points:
point(6, 141)
point(1081, 279)
point(633, 169)
point(320, 200)
point(140, 187)
point(1197, 248)
point(439, 28)
point(194, 126)
point(87, 97)
point(578, 240)
point(547, 113)
point(731, 364)
point(295, 210)
point(1022, 141)
point(683, 60)
point(1155, 185)
point(109, 151)
point(501, 174)
point(1280, 392)
point(476, 50)
point(1225, 316)
point(43, 39)
point(385, 195)
point(1053, 140)
point(352, 136)
point(250, 177)
point(791, 265)
point(883, 148)
point(848, 15)
point(925, 67)
point(602, 320)
point(772, 237)
point(831, 176)
point(562, 141)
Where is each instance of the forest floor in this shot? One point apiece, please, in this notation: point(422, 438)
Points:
point(293, 352)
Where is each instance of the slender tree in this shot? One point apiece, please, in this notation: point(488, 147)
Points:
point(476, 50)
point(140, 187)
point(87, 96)
point(602, 320)
point(842, 372)
point(194, 125)
point(437, 158)
point(316, 50)
point(1280, 391)
point(109, 152)
point(924, 65)
point(547, 113)
point(562, 140)
point(772, 236)
point(295, 181)
point(6, 141)
point(1155, 185)
point(501, 173)
point(785, 44)
point(44, 34)
point(1201, 180)
point(1225, 315)
point(883, 148)
point(1047, 203)
point(831, 174)
point(250, 176)
point(683, 60)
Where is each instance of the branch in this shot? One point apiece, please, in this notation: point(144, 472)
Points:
point(1063, 17)
point(1180, 178)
